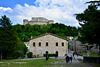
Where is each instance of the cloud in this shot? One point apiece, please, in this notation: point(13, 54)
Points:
point(61, 11)
point(5, 9)
point(94, 0)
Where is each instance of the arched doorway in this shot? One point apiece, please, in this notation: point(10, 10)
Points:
point(56, 53)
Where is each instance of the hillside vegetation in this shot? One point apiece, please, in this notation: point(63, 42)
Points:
point(25, 31)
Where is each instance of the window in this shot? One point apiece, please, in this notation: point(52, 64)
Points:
point(46, 43)
point(56, 43)
point(39, 43)
point(62, 44)
point(34, 44)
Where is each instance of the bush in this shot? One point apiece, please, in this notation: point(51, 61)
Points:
point(29, 54)
point(50, 55)
point(69, 46)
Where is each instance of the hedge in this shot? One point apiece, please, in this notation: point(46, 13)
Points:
point(29, 54)
point(50, 55)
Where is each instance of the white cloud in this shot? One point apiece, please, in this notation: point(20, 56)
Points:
point(58, 10)
point(5, 9)
point(94, 0)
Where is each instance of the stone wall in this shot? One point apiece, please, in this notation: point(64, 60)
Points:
point(92, 59)
point(51, 48)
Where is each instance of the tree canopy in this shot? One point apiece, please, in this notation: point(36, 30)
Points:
point(10, 45)
point(95, 2)
point(25, 31)
point(90, 25)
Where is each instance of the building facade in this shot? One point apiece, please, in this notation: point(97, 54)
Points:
point(50, 43)
point(38, 21)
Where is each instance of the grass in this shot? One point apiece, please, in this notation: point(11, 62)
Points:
point(28, 63)
point(43, 63)
point(93, 64)
point(91, 54)
point(94, 55)
point(82, 53)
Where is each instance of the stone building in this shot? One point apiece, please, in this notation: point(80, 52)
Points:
point(48, 43)
point(78, 46)
point(38, 21)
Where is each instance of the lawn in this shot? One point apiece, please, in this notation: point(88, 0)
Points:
point(82, 53)
point(42, 63)
point(28, 63)
point(94, 55)
point(91, 54)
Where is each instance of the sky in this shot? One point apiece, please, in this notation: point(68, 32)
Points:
point(61, 11)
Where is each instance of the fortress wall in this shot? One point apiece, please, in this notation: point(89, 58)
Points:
point(38, 21)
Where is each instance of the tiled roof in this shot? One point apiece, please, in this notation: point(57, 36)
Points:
point(26, 42)
point(48, 34)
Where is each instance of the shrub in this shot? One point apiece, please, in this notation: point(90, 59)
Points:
point(29, 54)
point(69, 46)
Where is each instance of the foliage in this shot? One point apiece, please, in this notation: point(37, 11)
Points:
point(90, 25)
point(97, 3)
point(69, 46)
point(50, 55)
point(29, 54)
point(10, 44)
point(25, 49)
point(25, 31)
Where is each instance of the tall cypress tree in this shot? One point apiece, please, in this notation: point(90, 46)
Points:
point(8, 38)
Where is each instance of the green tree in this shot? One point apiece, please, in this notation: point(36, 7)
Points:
point(69, 46)
point(24, 32)
point(25, 49)
point(95, 2)
point(90, 25)
point(7, 37)
point(9, 42)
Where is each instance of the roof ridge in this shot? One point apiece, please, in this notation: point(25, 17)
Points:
point(47, 34)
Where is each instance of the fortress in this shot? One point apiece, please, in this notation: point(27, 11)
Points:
point(38, 21)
